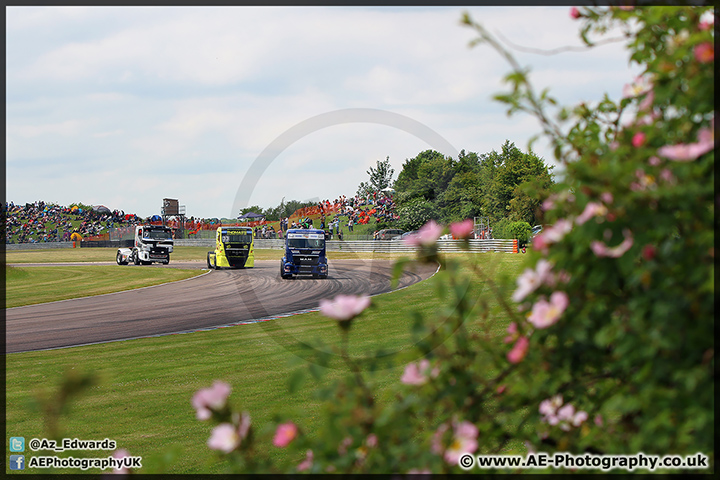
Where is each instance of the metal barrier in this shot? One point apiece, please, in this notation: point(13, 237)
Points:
point(384, 246)
point(379, 246)
point(106, 243)
point(196, 242)
point(38, 246)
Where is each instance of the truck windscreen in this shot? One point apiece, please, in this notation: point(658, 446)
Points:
point(157, 235)
point(306, 242)
point(237, 238)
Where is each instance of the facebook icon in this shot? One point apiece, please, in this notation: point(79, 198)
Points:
point(17, 462)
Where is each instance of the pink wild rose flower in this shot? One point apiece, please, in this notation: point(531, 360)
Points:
point(552, 234)
point(307, 463)
point(225, 437)
point(640, 86)
point(550, 406)
point(638, 139)
point(426, 236)
point(545, 314)
point(685, 152)
point(606, 197)
point(208, 399)
point(344, 307)
point(244, 426)
point(464, 441)
point(512, 333)
point(119, 455)
point(530, 280)
point(462, 229)
point(704, 52)
point(592, 209)
point(418, 373)
point(285, 434)
point(646, 106)
point(706, 24)
point(602, 250)
point(519, 350)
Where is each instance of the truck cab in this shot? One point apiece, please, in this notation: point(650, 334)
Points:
point(305, 254)
point(233, 248)
point(153, 243)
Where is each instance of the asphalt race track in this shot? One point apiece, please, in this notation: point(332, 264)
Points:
point(218, 298)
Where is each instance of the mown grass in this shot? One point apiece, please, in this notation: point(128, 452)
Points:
point(180, 254)
point(142, 397)
point(32, 285)
point(72, 255)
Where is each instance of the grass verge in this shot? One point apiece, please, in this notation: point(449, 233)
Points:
point(180, 254)
point(30, 285)
point(142, 397)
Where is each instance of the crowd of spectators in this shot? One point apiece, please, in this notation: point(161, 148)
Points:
point(267, 231)
point(335, 215)
point(357, 210)
point(40, 222)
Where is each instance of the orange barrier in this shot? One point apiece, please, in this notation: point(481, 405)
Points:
point(515, 246)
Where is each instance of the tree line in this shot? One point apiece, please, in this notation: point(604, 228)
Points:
point(506, 187)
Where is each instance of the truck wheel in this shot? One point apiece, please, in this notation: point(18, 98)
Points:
point(136, 259)
point(119, 260)
point(208, 262)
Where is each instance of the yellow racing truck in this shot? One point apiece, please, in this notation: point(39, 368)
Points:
point(233, 248)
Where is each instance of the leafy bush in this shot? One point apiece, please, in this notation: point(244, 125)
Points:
point(609, 346)
point(501, 228)
point(416, 213)
point(520, 230)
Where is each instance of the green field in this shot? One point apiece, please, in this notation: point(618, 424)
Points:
point(142, 395)
point(65, 255)
point(180, 254)
point(32, 285)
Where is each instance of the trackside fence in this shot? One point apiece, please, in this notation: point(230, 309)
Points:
point(379, 246)
point(382, 246)
point(38, 246)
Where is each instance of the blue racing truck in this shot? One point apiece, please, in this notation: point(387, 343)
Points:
point(304, 254)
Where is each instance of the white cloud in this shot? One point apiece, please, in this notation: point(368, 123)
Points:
point(192, 95)
point(67, 127)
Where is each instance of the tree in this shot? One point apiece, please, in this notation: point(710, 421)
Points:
point(463, 197)
point(513, 168)
point(253, 208)
point(364, 189)
point(427, 176)
point(381, 176)
point(416, 213)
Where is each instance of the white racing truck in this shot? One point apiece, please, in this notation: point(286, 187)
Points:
point(152, 244)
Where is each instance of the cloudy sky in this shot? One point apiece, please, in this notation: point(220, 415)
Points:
point(125, 106)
